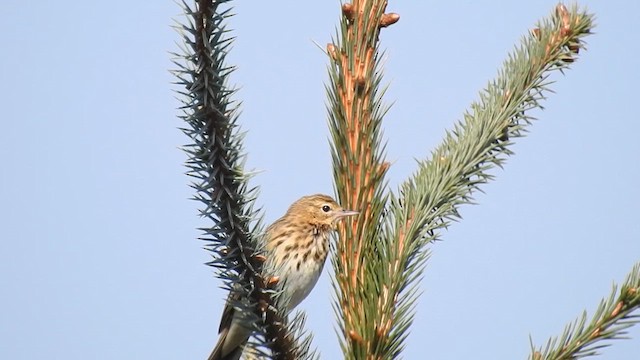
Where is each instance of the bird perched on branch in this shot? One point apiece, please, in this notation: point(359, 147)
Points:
point(298, 244)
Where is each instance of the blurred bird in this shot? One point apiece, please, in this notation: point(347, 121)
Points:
point(298, 244)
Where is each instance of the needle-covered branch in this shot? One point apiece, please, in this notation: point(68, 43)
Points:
point(429, 200)
point(382, 254)
point(610, 321)
point(355, 116)
point(216, 165)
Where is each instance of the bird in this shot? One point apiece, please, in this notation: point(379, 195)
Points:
point(297, 245)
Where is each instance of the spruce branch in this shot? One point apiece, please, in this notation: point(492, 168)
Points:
point(355, 114)
point(216, 165)
point(610, 321)
point(429, 200)
point(381, 256)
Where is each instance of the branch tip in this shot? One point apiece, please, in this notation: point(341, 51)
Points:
point(563, 14)
point(348, 11)
point(389, 19)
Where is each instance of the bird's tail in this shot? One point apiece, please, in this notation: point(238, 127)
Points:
point(229, 347)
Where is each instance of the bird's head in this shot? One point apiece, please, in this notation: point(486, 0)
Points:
point(320, 210)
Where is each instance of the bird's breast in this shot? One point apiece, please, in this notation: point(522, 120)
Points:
point(300, 279)
point(301, 264)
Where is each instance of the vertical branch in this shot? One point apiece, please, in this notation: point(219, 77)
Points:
point(355, 117)
point(215, 163)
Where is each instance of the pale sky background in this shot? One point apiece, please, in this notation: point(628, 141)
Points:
point(98, 250)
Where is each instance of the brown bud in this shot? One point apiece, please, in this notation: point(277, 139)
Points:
point(331, 50)
point(384, 167)
point(359, 80)
point(389, 19)
point(355, 337)
point(260, 258)
point(262, 305)
point(617, 309)
point(348, 11)
point(561, 11)
point(563, 14)
point(272, 280)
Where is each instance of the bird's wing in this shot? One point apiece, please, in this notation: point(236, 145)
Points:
point(232, 334)
point(227, 313)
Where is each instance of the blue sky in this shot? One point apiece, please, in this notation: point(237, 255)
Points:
point(98, 250)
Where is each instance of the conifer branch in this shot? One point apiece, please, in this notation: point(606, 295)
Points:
point(610, 321)
point(382, 254)
point(430, 199)
point(355, 115)
point(216, 163)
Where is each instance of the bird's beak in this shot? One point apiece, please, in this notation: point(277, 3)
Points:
point(344, 213)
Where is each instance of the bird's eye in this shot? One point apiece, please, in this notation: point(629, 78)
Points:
point(326, 208)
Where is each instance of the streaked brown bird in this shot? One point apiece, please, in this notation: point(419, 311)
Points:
point(298, 243)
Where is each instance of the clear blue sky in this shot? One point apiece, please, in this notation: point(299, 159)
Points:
point(98, 250)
